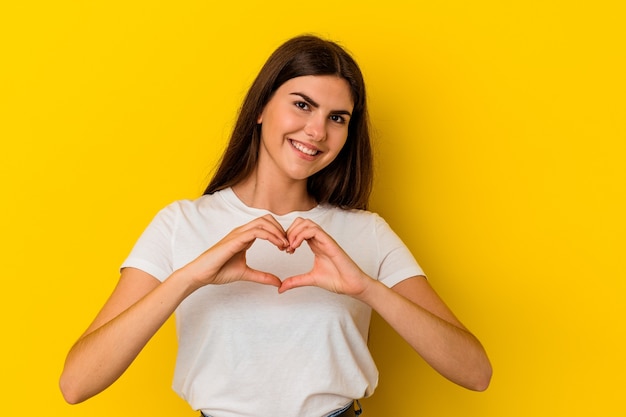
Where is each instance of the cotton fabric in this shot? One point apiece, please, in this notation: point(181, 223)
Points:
point(244, 349)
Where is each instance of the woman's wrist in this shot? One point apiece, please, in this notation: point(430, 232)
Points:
point(370, 292)
point(184, 281)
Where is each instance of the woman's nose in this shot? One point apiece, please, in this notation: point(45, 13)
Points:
point(316, 128)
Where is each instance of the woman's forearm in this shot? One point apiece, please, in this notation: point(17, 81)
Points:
point(448, 347)
point(140, 305)
point(102, 355)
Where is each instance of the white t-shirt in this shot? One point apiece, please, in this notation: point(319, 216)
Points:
point(244, 349)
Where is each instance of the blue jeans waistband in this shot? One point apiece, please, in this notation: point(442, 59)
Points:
point(348, 411)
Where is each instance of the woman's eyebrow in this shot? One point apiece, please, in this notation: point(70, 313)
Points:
point(313, 103)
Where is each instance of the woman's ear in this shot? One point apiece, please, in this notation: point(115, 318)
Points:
point(259, 120)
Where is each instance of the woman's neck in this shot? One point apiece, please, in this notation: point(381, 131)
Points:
point(275, 196)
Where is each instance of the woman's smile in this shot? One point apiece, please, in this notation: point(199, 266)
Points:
point(304, 148)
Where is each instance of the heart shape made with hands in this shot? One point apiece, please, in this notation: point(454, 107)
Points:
point(293, 259)
point(332, 268)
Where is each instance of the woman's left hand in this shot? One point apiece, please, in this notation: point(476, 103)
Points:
point(411, 307)
point(333, 269)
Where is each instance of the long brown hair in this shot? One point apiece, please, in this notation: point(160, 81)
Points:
point(347, 181)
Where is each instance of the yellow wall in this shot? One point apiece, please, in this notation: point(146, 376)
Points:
point(501, 147)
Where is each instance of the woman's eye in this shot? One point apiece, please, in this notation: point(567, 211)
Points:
point(337, 118)
point(302, 105)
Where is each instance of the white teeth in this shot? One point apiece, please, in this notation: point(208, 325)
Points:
point(304, 149)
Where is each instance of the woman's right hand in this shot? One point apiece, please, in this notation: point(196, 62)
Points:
point(140, 304)
point(225, 262)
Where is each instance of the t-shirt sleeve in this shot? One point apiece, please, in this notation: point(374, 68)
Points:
point(152, 253)
point(397, 262)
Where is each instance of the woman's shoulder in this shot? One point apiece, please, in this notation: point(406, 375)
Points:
point(350, 213)
point(353, 218)
point(194, 204)
point(218, 206)
point(187, 208)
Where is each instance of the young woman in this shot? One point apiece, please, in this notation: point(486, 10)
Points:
point(274, 272)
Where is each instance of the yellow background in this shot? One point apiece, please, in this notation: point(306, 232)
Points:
point(501, 145)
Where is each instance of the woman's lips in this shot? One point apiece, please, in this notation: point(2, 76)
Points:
point(304, 149)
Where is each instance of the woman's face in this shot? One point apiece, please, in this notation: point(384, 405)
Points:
point(304, 126)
